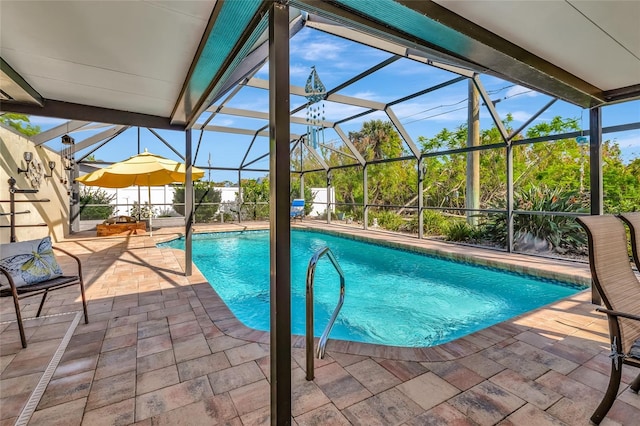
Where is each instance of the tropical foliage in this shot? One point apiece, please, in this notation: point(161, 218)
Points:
point(547, 176)
point(541, 233)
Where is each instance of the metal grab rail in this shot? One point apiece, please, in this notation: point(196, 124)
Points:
point(311, 270)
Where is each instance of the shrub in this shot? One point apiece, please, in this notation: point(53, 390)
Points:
point(89, 196)
point(541, 232)
point(460, 231)
point(168, 213)
point(433, 223)
point(387, 220)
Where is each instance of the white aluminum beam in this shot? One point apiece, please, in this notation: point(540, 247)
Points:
point(238, 131)
point(57, 131)
point(403, 132)
point(349, 145)
point(299, 91)
point(92, 140)
point(238, 112)
point(317, 156)
point(491, 107)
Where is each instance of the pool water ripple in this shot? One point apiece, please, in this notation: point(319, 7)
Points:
point(393, 297)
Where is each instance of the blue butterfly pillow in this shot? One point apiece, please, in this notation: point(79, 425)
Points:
point(29, 262)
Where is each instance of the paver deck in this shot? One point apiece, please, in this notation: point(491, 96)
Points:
point(163, 349)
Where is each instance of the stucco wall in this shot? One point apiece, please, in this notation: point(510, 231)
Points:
point(54, 213)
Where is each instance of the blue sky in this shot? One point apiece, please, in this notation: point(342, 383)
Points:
point(337, 60)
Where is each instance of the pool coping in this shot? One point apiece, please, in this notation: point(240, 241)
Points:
point(571, 272)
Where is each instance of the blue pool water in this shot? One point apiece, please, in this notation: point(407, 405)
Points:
point(393, 297)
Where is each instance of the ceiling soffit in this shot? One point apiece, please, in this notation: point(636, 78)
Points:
point(430, 26)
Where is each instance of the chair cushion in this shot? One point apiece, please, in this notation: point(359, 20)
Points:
point(29, 262)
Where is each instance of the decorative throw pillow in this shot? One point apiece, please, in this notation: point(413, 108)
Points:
point(29, 262)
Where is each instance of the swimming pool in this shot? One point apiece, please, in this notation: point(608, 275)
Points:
point(393, 297)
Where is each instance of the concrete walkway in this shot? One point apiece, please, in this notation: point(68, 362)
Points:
point(163, 349)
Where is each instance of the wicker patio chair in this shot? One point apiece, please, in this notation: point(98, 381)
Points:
point(28, 269)
point(620, 290)
point(633, 221)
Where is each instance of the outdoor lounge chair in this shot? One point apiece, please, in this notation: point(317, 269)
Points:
point(633, 221)
point(29, 268)
point(614, 279)
point(297, 209)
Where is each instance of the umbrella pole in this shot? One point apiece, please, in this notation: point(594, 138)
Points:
point(150, 213)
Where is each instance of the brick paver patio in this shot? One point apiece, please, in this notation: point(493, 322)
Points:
point(163, 349)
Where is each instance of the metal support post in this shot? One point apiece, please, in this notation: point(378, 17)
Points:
point(595, 175)
point(595, 161)
point(509, 156)
point(472, 194)
point(329, 198)
point(280, 239)
point(239, 198)
point(188, 205)
point(365, 197)
point(421, 173)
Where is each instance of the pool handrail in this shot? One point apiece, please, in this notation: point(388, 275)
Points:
point(311, 270)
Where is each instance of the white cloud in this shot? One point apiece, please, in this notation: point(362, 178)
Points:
point(298, 70)
point(222, 122)
point(521, 116)
point(442, 110)
point(625, 142)
point(323, 49)
point(368, 95)
point(335, 111)
point(520, 91)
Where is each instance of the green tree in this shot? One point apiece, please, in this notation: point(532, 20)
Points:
point(255, 197)
point(20, 122)
point(392, 183)
point(620, 182)
point(206, 200)
point(559, 164)
point(95, 204)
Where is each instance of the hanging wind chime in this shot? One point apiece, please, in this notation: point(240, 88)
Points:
point(315, 92)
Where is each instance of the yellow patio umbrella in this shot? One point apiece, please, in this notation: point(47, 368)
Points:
point(144, 169)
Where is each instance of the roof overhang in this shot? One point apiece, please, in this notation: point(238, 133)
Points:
point(166, 62)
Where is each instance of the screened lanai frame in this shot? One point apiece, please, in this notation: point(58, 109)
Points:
point(220, 107)
point(356, 158)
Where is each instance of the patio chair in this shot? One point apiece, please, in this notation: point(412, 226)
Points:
point(30, 268)
point(297, 209)
point(633, 222)
point(614, 279)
